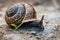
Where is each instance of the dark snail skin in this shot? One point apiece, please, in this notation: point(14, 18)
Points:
point(19, 12)
point(36, 23)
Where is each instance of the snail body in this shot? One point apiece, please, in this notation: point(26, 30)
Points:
point(34, 24)
point(19, 12)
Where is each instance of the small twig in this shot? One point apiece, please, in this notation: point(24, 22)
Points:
point(15, 26)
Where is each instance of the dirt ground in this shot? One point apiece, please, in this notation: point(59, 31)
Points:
point(51, 26)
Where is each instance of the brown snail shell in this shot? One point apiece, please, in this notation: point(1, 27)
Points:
point(19, 12)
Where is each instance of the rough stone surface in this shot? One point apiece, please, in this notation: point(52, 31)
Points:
point(51, 25)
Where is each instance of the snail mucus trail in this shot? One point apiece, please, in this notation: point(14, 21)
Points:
point(16, 14)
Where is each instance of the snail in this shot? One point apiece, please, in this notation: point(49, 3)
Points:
point(19, 12)
point(23, 13)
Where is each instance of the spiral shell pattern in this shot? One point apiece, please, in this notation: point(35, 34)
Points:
point(19, 12)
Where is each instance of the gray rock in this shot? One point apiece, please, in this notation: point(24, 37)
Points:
point(12, 37)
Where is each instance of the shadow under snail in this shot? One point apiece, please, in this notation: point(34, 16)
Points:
point(21, 12)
